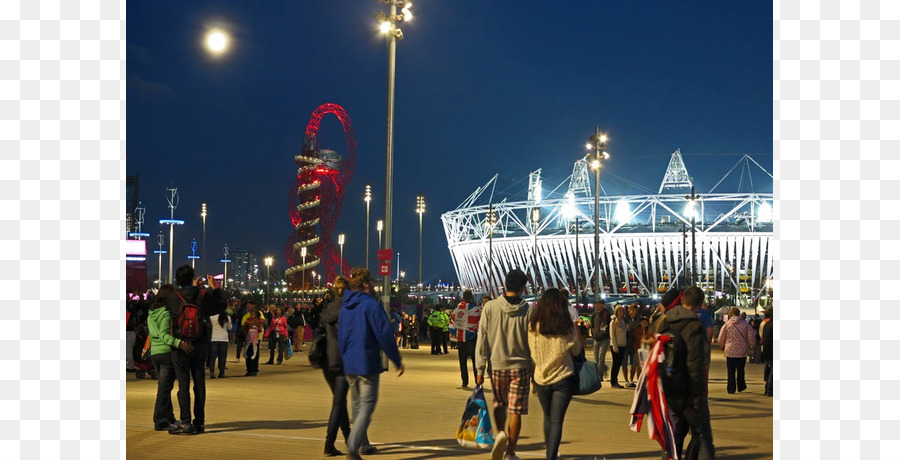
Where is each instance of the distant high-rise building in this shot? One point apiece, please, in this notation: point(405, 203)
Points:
point(246, 269)
point(131, 200)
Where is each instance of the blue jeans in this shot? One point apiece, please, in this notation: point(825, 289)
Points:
point(191, 366)
point(218, 350)
point(555, 401)
point(163, 413)
point(364, 395)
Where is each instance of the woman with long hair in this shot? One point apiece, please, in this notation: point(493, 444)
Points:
point(334, 366)
point(218, 349)
point(554, 341)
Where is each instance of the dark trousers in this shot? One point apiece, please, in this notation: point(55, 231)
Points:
point(273, 343)
point(616, 365)
point(695, 421)
point(768, 375)
point(239, 341)
point(191, 366)
point(252, 363)
point(413, 339)
point(163, 412)
point(736, 366)
point(338, 418)
point(218, 350)
point(555, 401)
point(436, 336)
point(466, 351)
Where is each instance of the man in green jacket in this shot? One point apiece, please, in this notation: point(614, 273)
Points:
point(162, 343)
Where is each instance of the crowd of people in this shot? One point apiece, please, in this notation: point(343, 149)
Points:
point(514, 343)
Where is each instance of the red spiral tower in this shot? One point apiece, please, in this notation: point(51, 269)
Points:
point(315, 201)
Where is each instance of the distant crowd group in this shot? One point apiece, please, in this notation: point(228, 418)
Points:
point(512, 342)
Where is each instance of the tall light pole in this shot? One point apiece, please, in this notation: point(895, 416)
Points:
point(398, 272)
point(491, 221)
point(596, 152)
point(380, 227)
point(577, 256)
point(368, 200)
point(388, 26)
point(162, 240)
point(172, 222)
point(341, 244)
point(692, 213)
point(268, 262)
point(203, 215)
point(225, 261)
point(303, 278)
point(420, 209)
point(535, 220)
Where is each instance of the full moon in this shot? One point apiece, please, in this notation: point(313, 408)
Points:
point(216, 41)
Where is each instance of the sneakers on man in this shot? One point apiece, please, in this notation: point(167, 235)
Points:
point(631, 385)
point(368, 450)
point(499, 449)
point(510, 457)
point(182, 428)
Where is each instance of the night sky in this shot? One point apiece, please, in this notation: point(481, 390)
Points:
point(481, 88)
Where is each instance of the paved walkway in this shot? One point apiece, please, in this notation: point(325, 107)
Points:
point(282, 413)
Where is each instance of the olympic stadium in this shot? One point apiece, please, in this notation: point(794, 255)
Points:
point(645, 240)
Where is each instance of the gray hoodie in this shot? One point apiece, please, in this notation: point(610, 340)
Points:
point(503, 335)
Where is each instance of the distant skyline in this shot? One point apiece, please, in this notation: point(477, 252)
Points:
point(482, 88)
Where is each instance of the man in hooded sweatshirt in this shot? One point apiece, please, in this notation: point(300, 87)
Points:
point(364, 330)
point(686, 392)
point(503, 340)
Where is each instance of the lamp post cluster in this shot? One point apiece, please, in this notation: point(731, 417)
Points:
point(596, 147)
point(268, 262)
point(420, 209)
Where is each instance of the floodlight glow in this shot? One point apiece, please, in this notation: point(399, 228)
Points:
point(303, 251)
point(171, 221)
point(340, 239)
point(764, 213)
point(536, 215)
point(595, 164)
point(623, 212)
point(603, 138)
point(385, 27)
point(268, 261)
point(690, 210)
point(380, 225)
point(568, 208)
point(588, 146)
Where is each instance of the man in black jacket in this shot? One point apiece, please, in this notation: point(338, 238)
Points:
point(686, 390)
point(768, 355)
point(192, 365)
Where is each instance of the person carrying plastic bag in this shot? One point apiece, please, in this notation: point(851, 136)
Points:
point(475, 428)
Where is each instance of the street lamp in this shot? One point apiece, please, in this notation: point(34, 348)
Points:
point(268, 262)
point(491, 220)
point(172, 221)
point(379, 226)
point(203, 215)
point(596, 152)
point(225, 261)
point(341, 244)
point(193, 255)
point(368, 199)
point(535, 220)
point(303, 278)
point(420, 209)
point(388, 26)
point(162, 240)
point(691, 211)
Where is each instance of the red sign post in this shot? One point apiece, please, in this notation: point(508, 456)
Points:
point(384, 257)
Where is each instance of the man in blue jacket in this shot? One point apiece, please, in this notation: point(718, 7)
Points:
point(363, 332)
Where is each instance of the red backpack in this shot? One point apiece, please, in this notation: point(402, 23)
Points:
point(188, 326)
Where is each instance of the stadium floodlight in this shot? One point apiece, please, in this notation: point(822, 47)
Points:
point(764, 213)
point(623, 212)
point(568, 208)
point(690, 210)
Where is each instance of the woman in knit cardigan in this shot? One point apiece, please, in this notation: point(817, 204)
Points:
point(553, 341)
point(737, 339)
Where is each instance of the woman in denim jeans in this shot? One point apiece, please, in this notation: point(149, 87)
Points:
point(553, 341)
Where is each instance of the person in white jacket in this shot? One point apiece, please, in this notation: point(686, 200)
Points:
point(618, 341)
